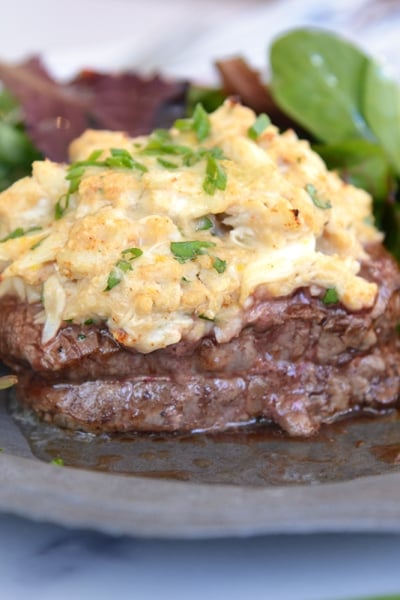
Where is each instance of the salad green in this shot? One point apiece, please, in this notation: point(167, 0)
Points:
point(16, 150)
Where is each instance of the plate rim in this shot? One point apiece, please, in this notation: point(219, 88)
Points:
point(130, 505)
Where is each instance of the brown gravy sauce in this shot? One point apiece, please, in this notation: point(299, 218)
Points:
point(255, 455)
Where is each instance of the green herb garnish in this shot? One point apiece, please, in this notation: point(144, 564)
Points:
point(205, 318)
point(165, 145)
point(19, 232)
point(121, 267)
point(316, 198)
point(199, 123)
point(215, 176)
point(331, 296)
point(260, 124)
point(166, 163)
point(119, 159)
point(57, 461)
point(132, 253)
point(184, 251)
point(203, 224)
point(219, 264)
point(39, 243)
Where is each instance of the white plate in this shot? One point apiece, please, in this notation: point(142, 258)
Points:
point(180, 38)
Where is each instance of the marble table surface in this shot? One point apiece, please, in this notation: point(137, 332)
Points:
point(39, 560)
point(47, 562)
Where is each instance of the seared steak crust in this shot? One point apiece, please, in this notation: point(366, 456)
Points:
point(296, 361)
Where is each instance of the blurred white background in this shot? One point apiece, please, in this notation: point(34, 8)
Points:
point(181, 37)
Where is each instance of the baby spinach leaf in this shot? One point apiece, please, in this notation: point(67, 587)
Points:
point(390, 222)
point(318, 79)
point(361, 163)
point(382, 109)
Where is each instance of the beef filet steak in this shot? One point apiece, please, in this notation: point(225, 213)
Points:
point(297, 362)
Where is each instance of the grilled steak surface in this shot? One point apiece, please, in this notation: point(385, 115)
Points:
point(297, 362)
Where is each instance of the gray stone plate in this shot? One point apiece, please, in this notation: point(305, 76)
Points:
point(259, 481)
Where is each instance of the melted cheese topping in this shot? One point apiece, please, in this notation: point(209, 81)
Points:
point(267, 230)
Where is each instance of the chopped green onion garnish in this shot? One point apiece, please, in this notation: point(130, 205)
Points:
point(158, 145)
point(132, 253)
point(124, 266)
point(205, 318)
point(260, 124)
point(166, 163)
point(19, 232)
point(121, 267)
point(215, 176)
point(58, 461)
point(184, 251)
point(317, 200)
point(331, 296)
point(39, 243)
point(199, 123)
point(61, 206)
point(120, 159)
point(219, 264)
point(203, 224)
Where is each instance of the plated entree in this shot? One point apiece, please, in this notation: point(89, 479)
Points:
point(202, 276)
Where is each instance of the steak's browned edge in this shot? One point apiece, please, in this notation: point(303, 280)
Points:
point(296, 362)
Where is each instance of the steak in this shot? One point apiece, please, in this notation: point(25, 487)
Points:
point(297, 362)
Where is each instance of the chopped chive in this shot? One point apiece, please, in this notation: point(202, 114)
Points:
point(219, 264)
point(58, 461)
point(316, 198)
point(88, 322)
point(203, 224)
point(260, 124)
point(114, 278)
point(19, 232)
point(158, 145)
point(120, 158)
point(122, 266)
point(61, 206)
point(199, 123)
point(39, 243)
point(183, 124)
point(184, 251)
point(331, 296)
point(132, 253)
point(205, 318)
point(81, 336)
point(166, 163)
point(215, 176)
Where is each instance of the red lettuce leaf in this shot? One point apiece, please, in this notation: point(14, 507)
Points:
point(55, 113)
